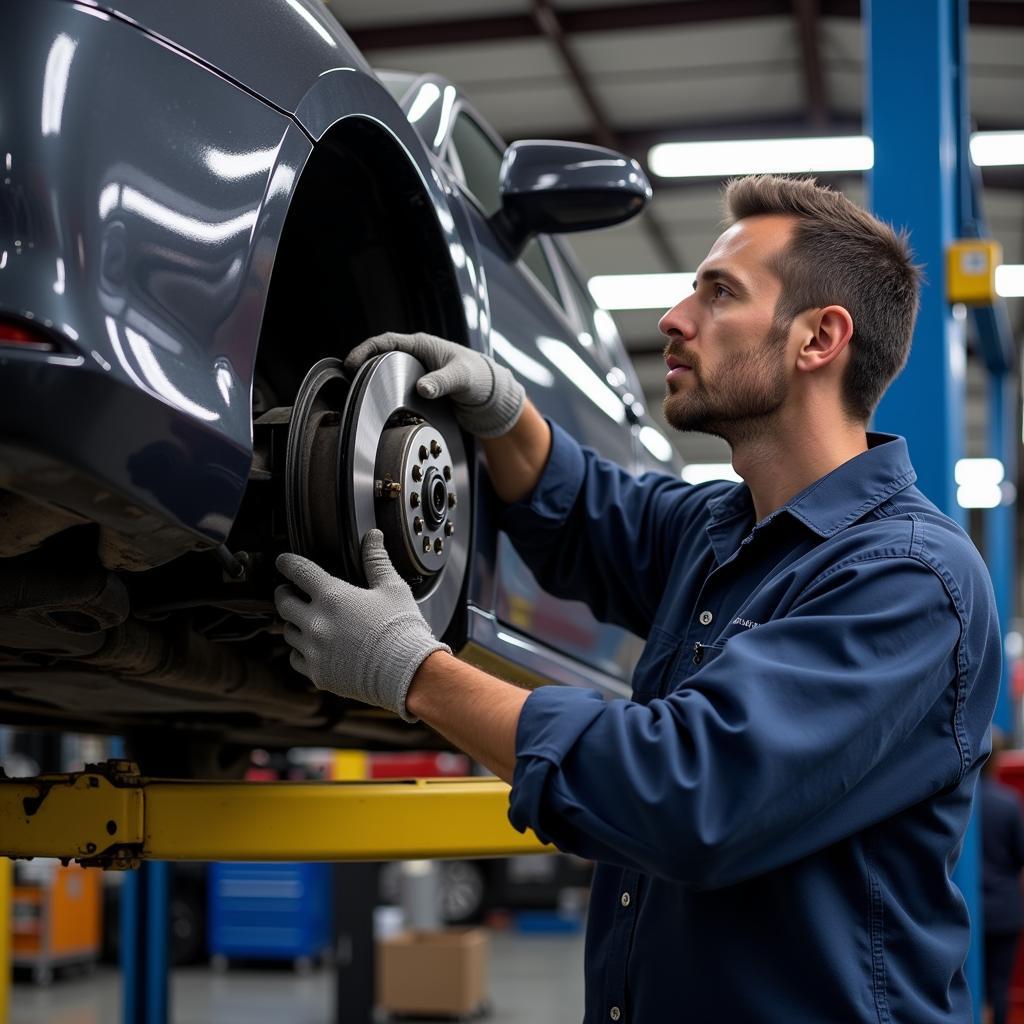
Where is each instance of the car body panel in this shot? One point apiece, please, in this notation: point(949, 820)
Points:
point(276, 51)
point(153, 162)
point(146, 244)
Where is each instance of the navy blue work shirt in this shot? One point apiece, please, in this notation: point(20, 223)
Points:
point(777, 812)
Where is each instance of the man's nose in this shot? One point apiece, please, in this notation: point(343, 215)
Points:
point(678, 321)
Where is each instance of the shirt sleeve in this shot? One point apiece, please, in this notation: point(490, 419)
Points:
point(593, 532)
point(794, 736)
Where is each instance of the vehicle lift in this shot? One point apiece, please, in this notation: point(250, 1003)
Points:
point(110, 816)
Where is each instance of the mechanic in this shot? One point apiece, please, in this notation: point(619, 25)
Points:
point(776, 813)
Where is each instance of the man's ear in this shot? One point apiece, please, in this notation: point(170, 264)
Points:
point(827, 335)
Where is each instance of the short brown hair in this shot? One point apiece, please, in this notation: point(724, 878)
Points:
point(840, 255)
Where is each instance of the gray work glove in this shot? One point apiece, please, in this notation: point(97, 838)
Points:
point(363, 644)
point(488, 399)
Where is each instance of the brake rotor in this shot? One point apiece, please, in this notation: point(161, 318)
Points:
point(373, 453)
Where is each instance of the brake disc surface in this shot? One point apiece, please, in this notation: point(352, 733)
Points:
point(374, 454)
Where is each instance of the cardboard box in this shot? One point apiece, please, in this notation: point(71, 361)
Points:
point(442, 972)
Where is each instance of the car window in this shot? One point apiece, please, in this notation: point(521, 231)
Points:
point(476, 160)
point(600, 332)
point(536, 259)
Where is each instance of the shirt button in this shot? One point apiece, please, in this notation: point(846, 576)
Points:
point(615, 1013)
point(706, 618)
point(625, 899)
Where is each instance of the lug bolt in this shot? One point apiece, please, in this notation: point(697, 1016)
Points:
point(417, 473)
point(426, 544)
point(451, 499)
point(423, 453)
point(449, 528)
point(447, 472)
point(417, 524)
point(435, 449)
point(414, 499)
point(438, 546)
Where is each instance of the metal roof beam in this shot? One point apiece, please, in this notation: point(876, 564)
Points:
point(550, 24)
point(459, 31)
point(808, 30)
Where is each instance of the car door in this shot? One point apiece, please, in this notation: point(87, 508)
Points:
point(534, 330)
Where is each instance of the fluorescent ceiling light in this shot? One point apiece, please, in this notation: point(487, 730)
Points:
point(979, 472)
point(702, 472)
point(640, 291)
point(997, 149)
point(751, 156)
point(803, 156)
point(1010, 280)
point(663, 291)
point(979, 483)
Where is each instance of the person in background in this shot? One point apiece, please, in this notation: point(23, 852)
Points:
point(1002, 859)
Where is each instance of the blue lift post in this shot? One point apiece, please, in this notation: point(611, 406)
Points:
point(145, 902)
point(145, 936)
point(914, 111)
point(918, 117)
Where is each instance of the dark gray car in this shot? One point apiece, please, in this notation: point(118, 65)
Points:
point(200, 215)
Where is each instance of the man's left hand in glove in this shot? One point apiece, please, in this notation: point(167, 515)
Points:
point(363, 644)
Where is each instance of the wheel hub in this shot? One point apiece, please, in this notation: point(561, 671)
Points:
point(372, 453)
point(415, 504)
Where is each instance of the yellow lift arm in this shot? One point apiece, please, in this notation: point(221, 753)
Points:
point(110, 816)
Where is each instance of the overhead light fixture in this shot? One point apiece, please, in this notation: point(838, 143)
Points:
point(997, 149)
point(1010, 280)
point(663, 291)
point(804, 156)
point(751, 156)
point(640, 291)
point(979, 483)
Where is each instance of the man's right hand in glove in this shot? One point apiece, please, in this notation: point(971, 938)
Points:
point(489, 403)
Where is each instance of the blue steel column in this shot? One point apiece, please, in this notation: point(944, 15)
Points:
point(1000, 525)
point(145, 933)
point(145, 936)
point(913, 102)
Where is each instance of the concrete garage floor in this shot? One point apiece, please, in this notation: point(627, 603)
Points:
point(535, 979)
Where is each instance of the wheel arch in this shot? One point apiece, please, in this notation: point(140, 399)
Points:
point(362, 251)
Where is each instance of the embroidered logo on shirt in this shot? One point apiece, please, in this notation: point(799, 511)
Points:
point(745, 623)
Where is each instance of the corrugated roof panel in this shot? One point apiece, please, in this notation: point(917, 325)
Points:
point(717, 45)
point(479, 67)
point(353, 13)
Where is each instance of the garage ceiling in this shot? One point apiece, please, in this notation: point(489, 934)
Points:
point(629, 75)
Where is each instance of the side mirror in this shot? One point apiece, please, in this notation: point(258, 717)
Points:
point(558, 187)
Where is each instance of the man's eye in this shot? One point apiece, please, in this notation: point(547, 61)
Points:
point(720, 291)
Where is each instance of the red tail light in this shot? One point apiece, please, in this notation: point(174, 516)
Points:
point(25, 335)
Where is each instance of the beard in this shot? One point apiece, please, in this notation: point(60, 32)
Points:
point(738, 402)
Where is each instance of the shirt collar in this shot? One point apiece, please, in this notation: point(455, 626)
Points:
point(841, 497)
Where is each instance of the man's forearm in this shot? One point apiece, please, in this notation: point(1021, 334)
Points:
point(477, 712)
point(516, 460)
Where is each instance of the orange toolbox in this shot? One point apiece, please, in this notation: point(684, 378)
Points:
point(56, 917)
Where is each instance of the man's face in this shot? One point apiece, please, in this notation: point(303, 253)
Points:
point(727, 358)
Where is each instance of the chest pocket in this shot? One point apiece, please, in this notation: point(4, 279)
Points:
point(701, 655)
point(667, 662)
point(656, 665)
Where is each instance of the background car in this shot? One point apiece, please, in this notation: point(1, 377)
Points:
point(193, 233)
